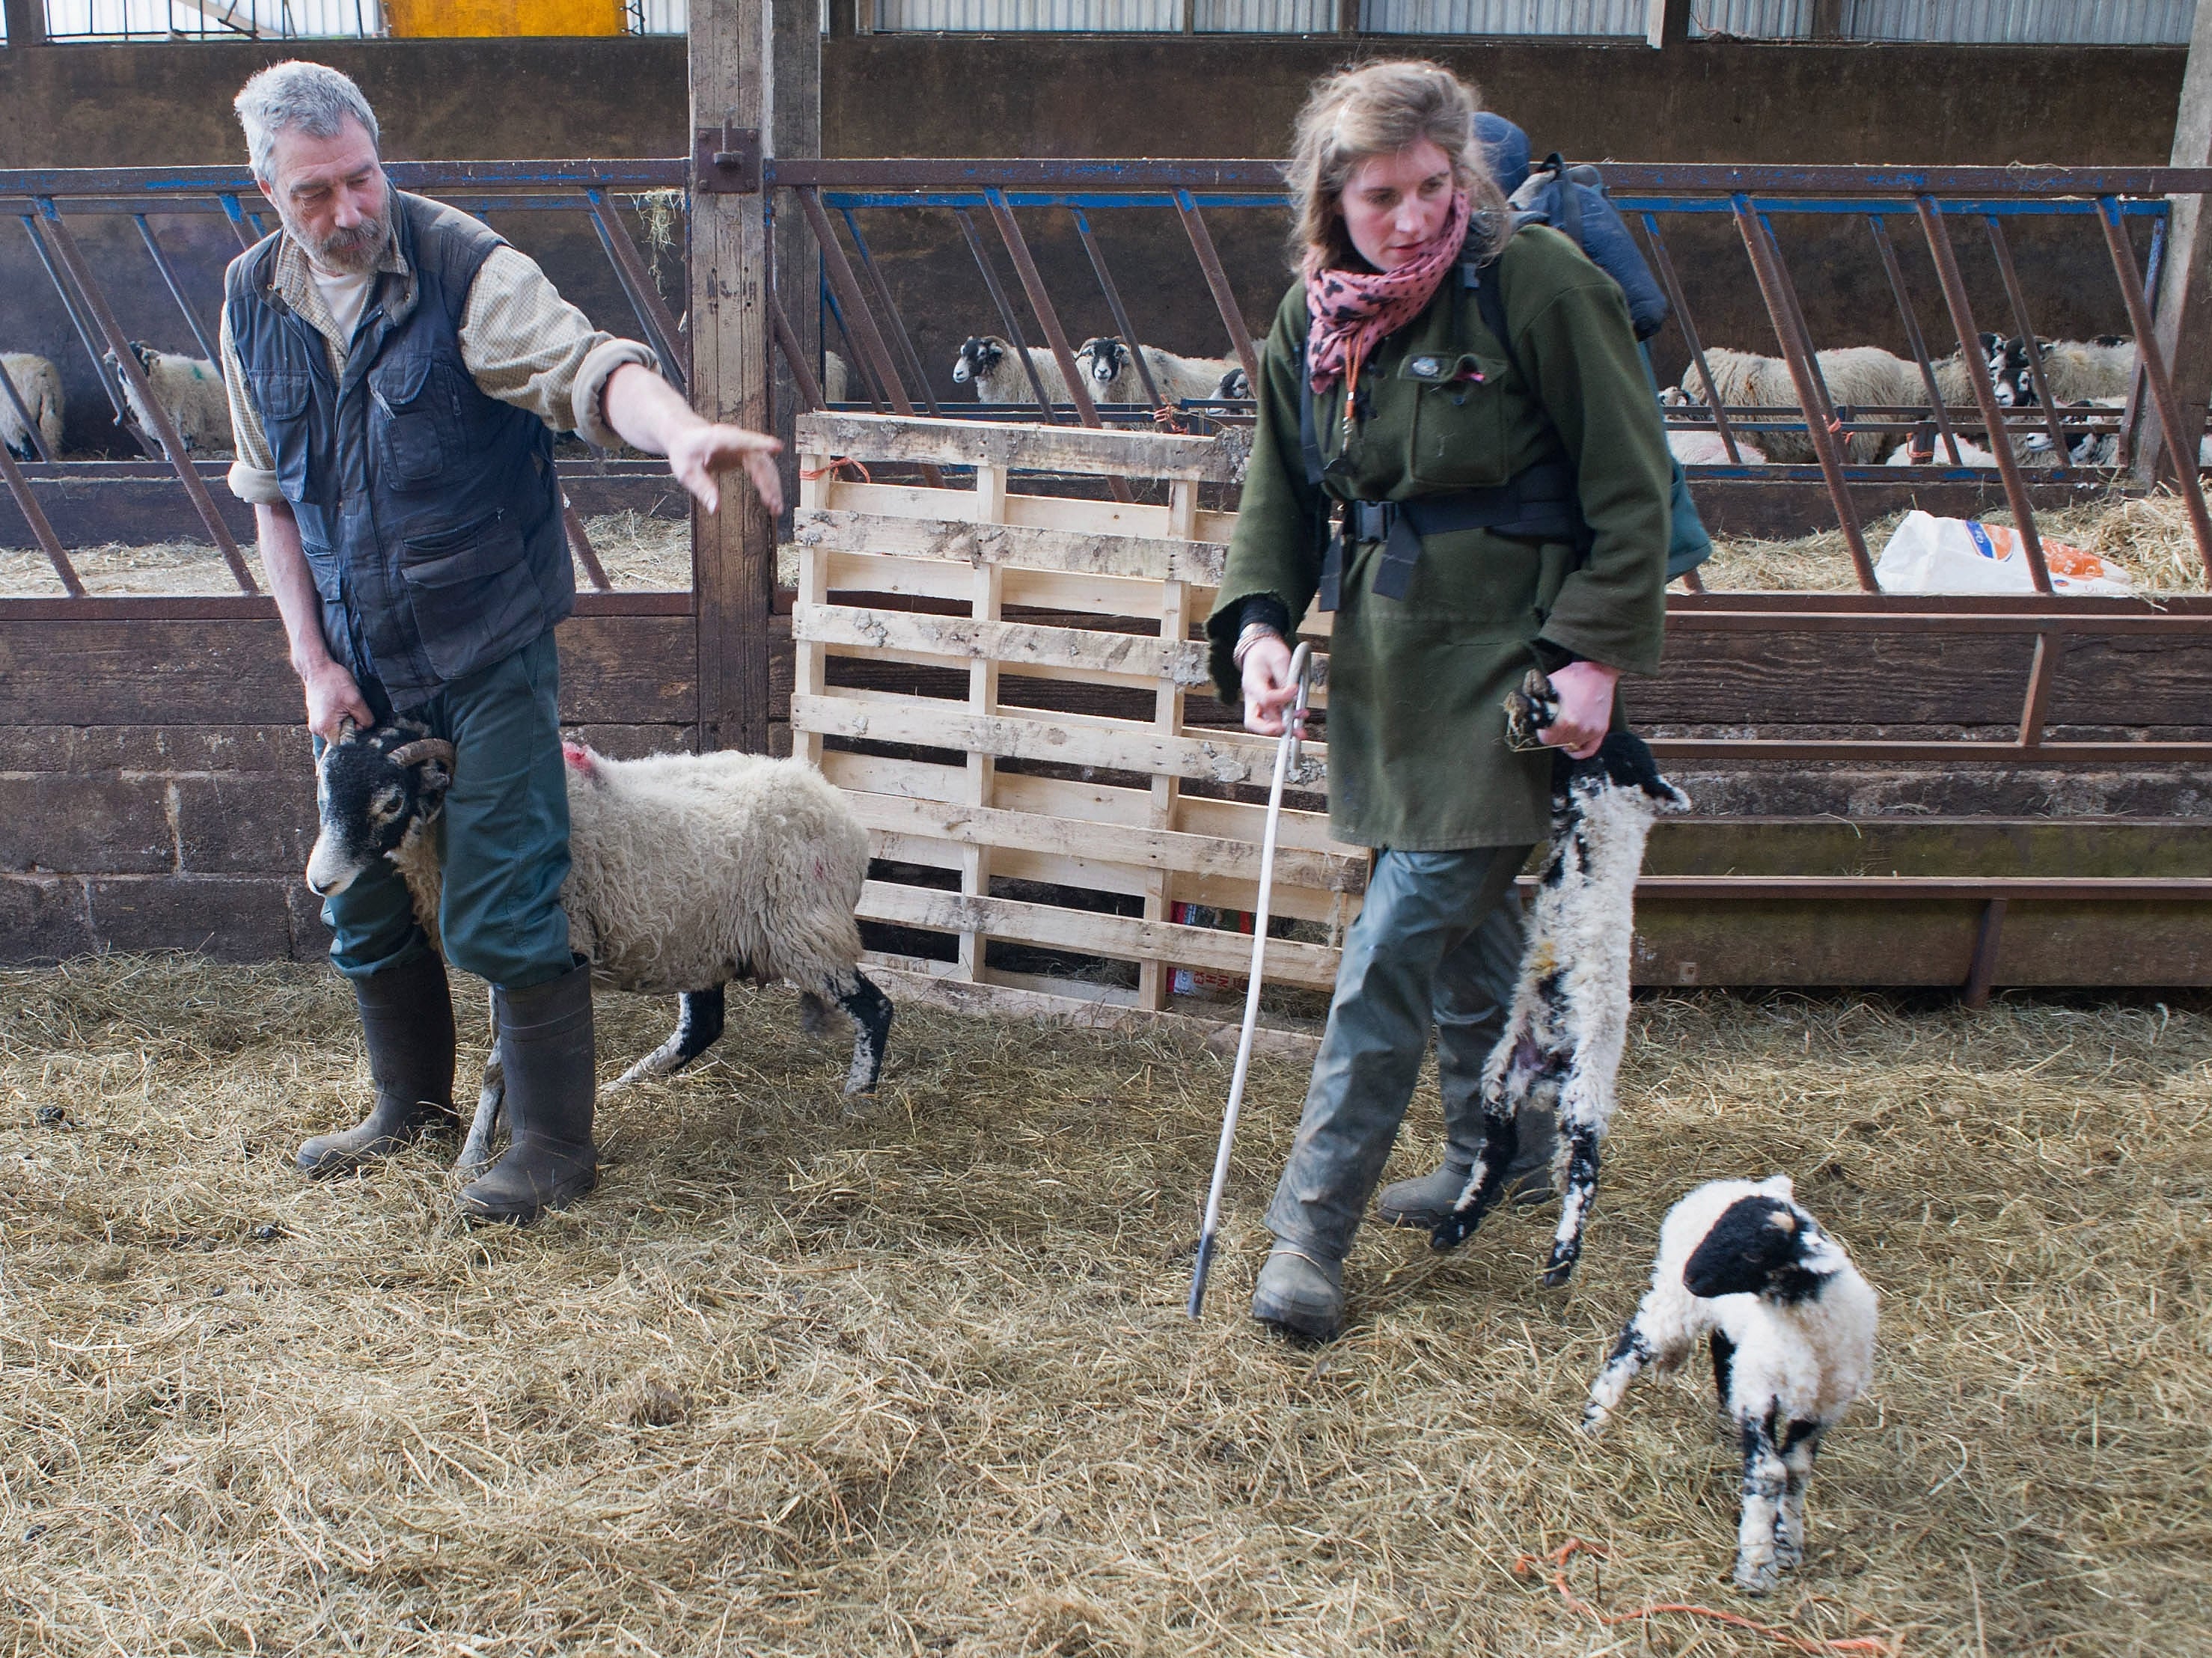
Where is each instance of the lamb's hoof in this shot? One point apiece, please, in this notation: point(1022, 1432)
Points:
point(1756, 1580)
point(1557, 1275)
point(1453, 1232)
point(1787, 1555)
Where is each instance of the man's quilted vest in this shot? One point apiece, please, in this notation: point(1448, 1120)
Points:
point(428, 512)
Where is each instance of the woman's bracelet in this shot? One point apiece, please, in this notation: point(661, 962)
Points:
point(1253, 632)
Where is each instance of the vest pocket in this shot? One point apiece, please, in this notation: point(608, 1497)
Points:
point(285, 399)
point(1456, 440)
point(473, 593)
point(418, 422)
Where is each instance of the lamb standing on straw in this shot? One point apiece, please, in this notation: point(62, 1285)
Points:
point(1569, 1019)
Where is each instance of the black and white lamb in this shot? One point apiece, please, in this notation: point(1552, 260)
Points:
point(1792, 1327)
point(1569, 1018)
point(686, 871)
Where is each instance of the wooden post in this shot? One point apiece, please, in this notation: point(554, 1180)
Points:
point(27, 22)
point(985, 594)
point(1347, 16)
point(2184, 289)
point(798, 124)
point(1153, 975)
point(1827, 20)
point(733, 550)
point(1667, 22)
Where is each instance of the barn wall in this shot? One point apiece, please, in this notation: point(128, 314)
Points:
point(1079, 96)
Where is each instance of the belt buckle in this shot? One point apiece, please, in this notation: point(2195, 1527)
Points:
point(1371, 520)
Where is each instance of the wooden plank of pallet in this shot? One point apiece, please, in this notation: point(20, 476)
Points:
point(1091, 932)
point(1032, 1006)
point(1026, 447)
point(1172, 850)
point(1119, 658)
point(1069, 512)
point(1148, 558)
point(1064, 739)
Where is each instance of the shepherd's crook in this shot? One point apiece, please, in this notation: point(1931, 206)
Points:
point(1286, 754)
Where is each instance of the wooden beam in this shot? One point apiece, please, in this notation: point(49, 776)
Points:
point(1665, 22)
point(2184, 289)
point(1035, 448)
point(27, 22)
point(734, 551)
point(797, 133)
point(1827, 20)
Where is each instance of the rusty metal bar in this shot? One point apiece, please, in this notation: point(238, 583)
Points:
point(890, 309)
point(1692, 580)
point(165, 432)
point(787, 341)
point(1947, 753)
point(859, 323)
point(637, 284)
point(2088, 888)
point(2017, 300)
point(1895, 272)
point(1804, 333)
point(176, 291)
point(31, 434)
point(1048, 318)
point(1217, 279)
point(2042, 674)
point(1665, 262)
point(1007, 318)
point(1985, 398)
point(1982, 970)
point(1804, 374)
point(2123, 451)
point(580, 544)
point(2152, 362)
point(1120, 315)
point(41, 530)
point(83, 330)
point(856, 366)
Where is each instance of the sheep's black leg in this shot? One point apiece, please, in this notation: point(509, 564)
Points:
point(1485, 1182)
point(1799, 1446)
point(1765, 1480)
point(1630, 1354)
point(871, 1013)
point(491, 1105)
point(1574, 1204)
point(698, 1023)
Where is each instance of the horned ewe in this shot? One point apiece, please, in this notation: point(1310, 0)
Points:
point(2074, 370)
point(1792, 1328)
point(39, 384)
point(686, 871)
point(1853, 374)
point(989, 363)
point(1569, 1018)
point(190, 391)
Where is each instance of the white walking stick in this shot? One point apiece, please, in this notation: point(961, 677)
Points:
point(1286, 754)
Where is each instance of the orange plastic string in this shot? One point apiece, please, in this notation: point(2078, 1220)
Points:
point(837, 464)
point(1557, 1559)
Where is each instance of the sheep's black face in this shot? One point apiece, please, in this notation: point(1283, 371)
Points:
point(977, 358)
point(1234, 386)
point(1109, 357)
point(1757, 1247)
point(371, 788)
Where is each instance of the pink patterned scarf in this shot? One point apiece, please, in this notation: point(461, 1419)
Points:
point(1351, 310)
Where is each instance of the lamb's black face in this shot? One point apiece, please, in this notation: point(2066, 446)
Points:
point(1109, 357)
point(1757, 1246)
point(1234, 386)
point(2009, 372)
point(371, 788)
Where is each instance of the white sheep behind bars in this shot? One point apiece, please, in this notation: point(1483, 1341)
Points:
point(1569, 1019)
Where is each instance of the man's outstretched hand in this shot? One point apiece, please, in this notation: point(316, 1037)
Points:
point(696, 456)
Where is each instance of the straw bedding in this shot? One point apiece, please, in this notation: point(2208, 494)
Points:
point(918, 1381)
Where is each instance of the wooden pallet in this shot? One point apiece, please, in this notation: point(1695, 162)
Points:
point(1070, 810)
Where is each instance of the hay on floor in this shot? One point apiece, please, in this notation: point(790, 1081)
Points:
point(917, 1379)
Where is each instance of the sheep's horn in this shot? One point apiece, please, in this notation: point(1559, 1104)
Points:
point(422, 749)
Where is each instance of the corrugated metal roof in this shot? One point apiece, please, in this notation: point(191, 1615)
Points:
point(1582, 17)
point(159, 20)
point(1985, 22)
point(1006, 16)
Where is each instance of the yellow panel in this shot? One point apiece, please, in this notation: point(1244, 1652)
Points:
point(419, 19)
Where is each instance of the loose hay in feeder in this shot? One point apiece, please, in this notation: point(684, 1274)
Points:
point(2147, 536)
point(918, 1380)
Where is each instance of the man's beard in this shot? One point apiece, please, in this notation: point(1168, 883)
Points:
point(350, 252)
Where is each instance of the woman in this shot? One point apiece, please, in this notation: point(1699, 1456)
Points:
point(1503, 504)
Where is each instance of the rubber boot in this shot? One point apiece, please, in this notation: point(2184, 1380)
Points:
point(545, 1047)
point(1299, 1293)
point(407, 1025)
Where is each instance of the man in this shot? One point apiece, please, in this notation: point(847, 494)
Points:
point(396, 372)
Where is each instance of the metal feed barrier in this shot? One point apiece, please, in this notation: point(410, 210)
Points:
point(1752, 680)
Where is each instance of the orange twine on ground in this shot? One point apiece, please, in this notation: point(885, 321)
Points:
point(1523, 1565)
point(837, 464)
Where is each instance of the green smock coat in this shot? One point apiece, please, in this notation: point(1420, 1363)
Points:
point(1416, 728)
